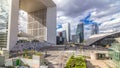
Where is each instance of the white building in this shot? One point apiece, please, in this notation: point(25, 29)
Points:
point(41, 20)
point(66, 27)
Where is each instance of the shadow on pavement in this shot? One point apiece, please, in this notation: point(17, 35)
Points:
point(89, 64)
point(50, 65)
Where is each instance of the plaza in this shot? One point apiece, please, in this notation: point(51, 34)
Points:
point(40, 47)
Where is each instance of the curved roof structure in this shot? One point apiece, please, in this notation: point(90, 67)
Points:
point(97, 37)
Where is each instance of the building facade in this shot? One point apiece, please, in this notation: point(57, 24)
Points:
point(80, 32)
point(114, 53)
point(66, 30)
point(104, 39)
point(60, 38)
point(75, 38)
point(41, 20)
point(4, 15)
point(94, 29)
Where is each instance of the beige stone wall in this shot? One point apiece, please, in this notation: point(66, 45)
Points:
point(37, 24)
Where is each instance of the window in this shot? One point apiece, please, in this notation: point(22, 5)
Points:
point(4, 14)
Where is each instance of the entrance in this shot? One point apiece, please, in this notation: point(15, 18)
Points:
point(100, 56)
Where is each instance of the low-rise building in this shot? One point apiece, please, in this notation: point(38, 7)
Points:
point(114, 53)
point(2, 60)
point(103, 39)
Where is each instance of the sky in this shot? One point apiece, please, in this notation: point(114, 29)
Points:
point(105, 13)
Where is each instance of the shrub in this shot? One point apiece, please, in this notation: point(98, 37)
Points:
point(76, 62)
point(28, 54)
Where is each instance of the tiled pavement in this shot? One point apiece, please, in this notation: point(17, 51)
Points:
point(58, 59)
point(99, 64)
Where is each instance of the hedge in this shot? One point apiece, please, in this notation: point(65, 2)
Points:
point(76, 62)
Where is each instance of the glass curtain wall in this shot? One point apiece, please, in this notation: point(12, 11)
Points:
point(114, 53)
point(4, 14)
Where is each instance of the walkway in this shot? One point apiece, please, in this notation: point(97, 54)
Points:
point(58, 59)
point(99, 64)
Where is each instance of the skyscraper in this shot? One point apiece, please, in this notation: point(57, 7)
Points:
point(4, 14)
point(75, 38)
point(94, 29)
point(64, 34)
point(66, 28)
point(80, 32)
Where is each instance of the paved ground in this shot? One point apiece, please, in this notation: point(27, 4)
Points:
point(58, 57)
point(99, 64)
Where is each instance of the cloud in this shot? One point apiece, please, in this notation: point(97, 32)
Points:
point(75, 8)
point(22, 21)
point(105, 13)
point(87, 20)
point(110, 26)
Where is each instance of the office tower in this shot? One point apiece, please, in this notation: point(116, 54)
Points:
point(66, 28)
point(60, 39)
point(4, 14)
point(94, 29)
point(64, 34)
point(80, 32)
point(75, 38)
point(41, 20)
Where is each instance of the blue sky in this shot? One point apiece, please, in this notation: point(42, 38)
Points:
point(105, 13)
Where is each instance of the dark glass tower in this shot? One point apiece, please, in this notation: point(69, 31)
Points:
point(80, 32)
point(94, 29)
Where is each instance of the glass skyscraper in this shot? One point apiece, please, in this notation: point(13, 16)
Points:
point(4, 14)
point(80, 32)
point(66, 28)
point(94, 29)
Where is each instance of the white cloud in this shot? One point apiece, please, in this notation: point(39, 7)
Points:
point(22, 21)
point(102, 12)
point(110, 23)
point(110, 26)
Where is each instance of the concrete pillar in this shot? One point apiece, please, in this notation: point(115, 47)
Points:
point(13, 24)
point(51, 25)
